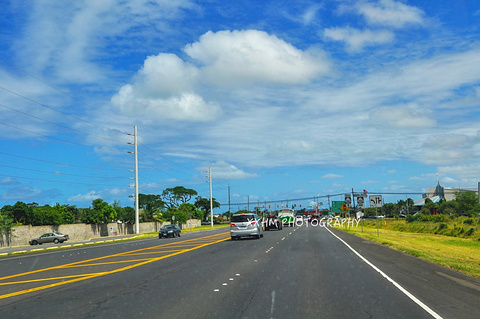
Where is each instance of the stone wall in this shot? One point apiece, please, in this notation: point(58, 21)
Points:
point(22, 234)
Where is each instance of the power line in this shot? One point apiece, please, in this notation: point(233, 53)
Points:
point(59, 125)
point(56, 138)
point(52, 86)
point(55, 110)
point(60, 173)
point(62, 164)
point(52, 181)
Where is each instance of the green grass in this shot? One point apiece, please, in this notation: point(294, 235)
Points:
point(462, 254)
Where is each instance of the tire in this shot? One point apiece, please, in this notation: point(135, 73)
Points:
point(234, 238)
point(56, 241)
point(34, 242)
point(179, 235)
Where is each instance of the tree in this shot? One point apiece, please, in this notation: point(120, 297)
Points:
point(20, 213)
point(151, 205)
point(101, 212)
point(175, 196)
point(6, 224)
point(449, 208)
point(125, 214)
point(204, 205)
point(191, 211)
point(389, 209)
point(467, 203)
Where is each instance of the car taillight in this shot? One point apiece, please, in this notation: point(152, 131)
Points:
point(233, 225)
point(253, 223)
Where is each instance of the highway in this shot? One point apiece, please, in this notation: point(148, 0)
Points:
point(301, 272)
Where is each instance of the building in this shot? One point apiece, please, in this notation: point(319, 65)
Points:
point(437, 193)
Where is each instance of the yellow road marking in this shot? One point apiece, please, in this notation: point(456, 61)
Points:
point(81, 277)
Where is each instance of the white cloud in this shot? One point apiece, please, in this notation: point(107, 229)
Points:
point(224, 170)
point(309, 14)
point(163, 89)
point(401, 117)
point(465, 175)
point(90, 196)
point(331, 175)
point(356, 40)
point(66, 39)
point(8, 181)
point(391, 13)
point(251, 56)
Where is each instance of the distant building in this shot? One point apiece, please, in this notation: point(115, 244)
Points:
point(437, 193)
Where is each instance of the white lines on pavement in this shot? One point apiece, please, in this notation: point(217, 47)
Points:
point(269, 249)
point(272, 306)
point(226, 284)
point(408, 294)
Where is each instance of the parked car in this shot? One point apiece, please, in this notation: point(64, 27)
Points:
point(54, 237)
point(273, 222)
point(245, 225)
point(169, 231)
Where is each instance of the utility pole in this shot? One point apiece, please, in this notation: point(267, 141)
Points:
point(135, 153)
point(229, 211)
point(211, 199)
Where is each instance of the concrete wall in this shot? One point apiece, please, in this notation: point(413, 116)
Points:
point(22, 234)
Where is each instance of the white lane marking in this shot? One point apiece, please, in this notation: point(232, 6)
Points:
point(216, 290)
point(405, 291)
point(272, 306)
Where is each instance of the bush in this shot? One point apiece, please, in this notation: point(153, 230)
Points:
point(468, 221)
point(441, 227)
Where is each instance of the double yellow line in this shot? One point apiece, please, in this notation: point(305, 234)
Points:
point(165, 251)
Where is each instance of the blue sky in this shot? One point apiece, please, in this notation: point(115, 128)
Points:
point(282, 99)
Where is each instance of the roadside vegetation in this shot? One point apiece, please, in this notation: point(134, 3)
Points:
point(459, 253)
point(446, 233)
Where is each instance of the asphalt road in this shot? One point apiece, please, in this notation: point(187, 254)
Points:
point(306, 272)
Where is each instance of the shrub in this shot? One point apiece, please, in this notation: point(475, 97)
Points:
point(441, 227)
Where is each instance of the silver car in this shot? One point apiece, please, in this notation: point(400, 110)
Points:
point(54, 237)
point(245, 225)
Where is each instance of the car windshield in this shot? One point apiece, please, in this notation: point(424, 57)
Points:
point(168, 227)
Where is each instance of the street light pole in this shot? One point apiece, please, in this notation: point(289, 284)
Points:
point(211, 200)
point(135, 153)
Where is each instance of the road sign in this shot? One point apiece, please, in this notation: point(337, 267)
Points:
point(336, 206)
point(376, 201)
point(360, 201)
point(344, 208)
point(348, 199)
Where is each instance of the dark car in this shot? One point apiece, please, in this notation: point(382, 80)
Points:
point(54, 237)
point(169, 231)
point(273, 222)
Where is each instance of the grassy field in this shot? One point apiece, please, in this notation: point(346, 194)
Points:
point(462, 254)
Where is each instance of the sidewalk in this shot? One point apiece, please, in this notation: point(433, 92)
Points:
point(15, 250)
